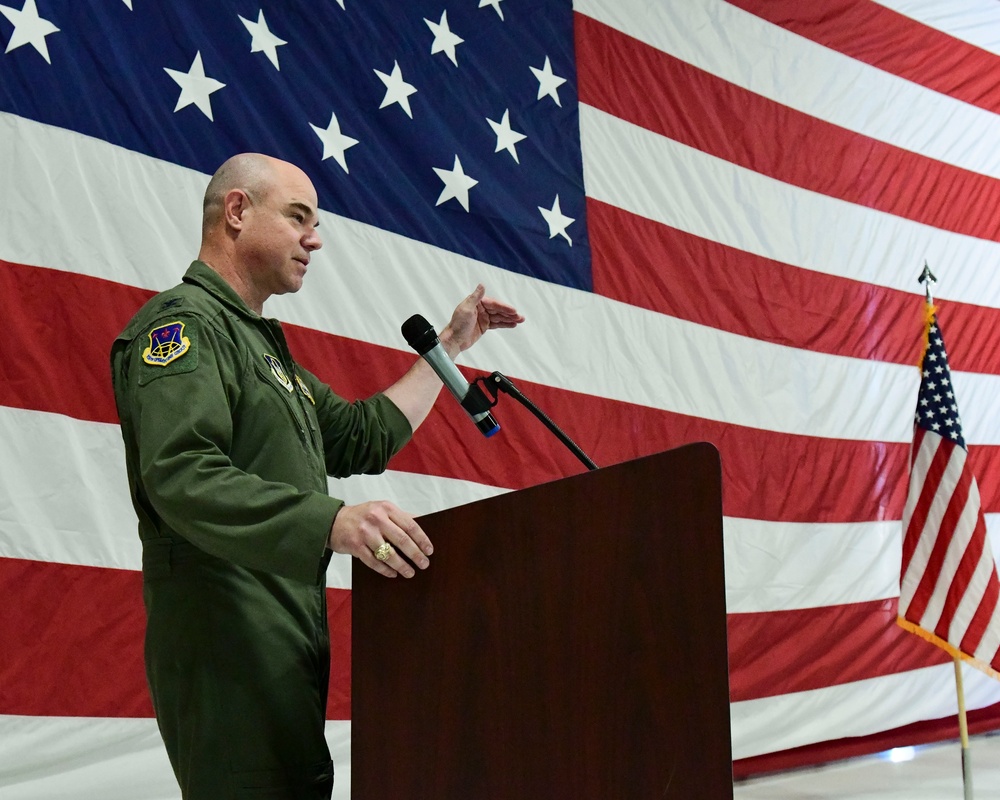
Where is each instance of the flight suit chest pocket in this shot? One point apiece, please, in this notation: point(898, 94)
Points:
point(297, 400)
point(277, 387)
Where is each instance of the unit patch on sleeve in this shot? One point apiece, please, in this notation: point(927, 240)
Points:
point(279, 372)
point(167, 343)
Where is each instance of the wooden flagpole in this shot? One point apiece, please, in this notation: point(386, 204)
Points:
point(963, 730)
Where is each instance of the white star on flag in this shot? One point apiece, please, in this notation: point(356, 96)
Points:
point(444, 40)
point(196, 87)
point(548, 83)
point(334, 142)
point(396, 89)
point(263, 40)
point(456, 184)
point(128, 3)
point(507, 137)
point(494, 3)
point(29, 28)
point(558, 222)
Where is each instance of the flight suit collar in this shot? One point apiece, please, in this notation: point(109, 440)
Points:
point(202, 275)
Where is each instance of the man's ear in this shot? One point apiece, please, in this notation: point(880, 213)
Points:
point(234, 208)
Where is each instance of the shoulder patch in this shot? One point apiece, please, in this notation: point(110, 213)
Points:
point(279, 372)
point(167, 343)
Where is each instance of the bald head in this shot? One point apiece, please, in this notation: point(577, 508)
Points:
point(259, 226)
point(253, 173)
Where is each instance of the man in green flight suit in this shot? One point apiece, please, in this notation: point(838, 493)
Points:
point(228, 445)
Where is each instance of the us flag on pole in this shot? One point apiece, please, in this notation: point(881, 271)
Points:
point(949, 587)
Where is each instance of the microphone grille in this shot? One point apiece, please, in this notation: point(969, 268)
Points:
point(419, 334)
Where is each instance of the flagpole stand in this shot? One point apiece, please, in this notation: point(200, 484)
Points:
point(963, 730)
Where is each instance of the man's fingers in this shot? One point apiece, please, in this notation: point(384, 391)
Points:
point(407, 537)
point(405, 543)
point(503, 323)
point(477, 294)
point(500, 314)
point(384, 558)
point(367, 557)
point(408, 525)
point(361, 530)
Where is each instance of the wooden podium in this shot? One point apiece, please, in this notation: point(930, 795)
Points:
point(568, 641)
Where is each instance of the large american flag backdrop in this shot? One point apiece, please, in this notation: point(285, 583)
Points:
point(712, 213)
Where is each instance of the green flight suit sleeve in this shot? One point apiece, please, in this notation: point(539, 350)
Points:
point(358, 437)
point(267, 514)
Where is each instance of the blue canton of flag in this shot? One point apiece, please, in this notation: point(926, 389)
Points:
point(937, 408)
point(448, 122)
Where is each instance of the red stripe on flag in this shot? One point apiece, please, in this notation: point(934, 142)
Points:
point(981, 720)
point(56, 343)
point(779, 652)
point(801, 479)
point(945, 532)
point(73, 645)
point(668, 96)
point(986, 615)
point(338, 612)
point(961, 583)
point(650, 265)
point(73, 641)
point(766, 475)
point(925, 492)
point(876, 35)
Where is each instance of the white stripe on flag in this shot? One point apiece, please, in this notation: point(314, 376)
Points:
point(758, 214)
point(771, 724)
point(109, 759)
point(974, 21)
point(975, 584)
point(928, 533)
point(75, 509)
point(49, 513)
point(989, 646)
point(958, 540)
point(735, 45)
point(777, 566)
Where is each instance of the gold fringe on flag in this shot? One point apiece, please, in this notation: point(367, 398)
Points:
point(930, 311)
point(953, 651)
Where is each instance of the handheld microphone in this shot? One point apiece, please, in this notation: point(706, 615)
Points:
point(421, 337)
